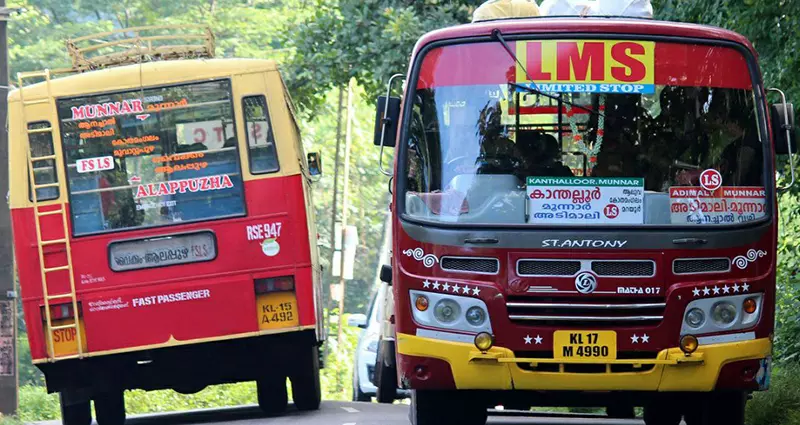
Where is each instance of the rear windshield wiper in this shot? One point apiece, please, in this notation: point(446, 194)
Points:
point(497, 34)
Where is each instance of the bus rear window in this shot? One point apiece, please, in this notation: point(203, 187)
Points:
point(151, 157)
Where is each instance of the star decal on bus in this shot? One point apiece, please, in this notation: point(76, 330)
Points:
point(455, 288)
point(724, 289)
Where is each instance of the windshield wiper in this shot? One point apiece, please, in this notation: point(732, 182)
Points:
point(496, 33)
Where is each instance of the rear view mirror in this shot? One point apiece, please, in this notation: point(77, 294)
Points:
point(785, 144)
point(357, 320)
point(386, 274)
point(387, 115)
point(314, 164)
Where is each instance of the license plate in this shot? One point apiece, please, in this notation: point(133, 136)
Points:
point(65, 341)
point(277, 310)
point(600, 345)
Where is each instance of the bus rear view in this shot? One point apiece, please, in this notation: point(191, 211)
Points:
point(163, 231)
point(584, 215)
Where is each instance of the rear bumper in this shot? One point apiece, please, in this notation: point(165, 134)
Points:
point(458, 365)
point(186, 368)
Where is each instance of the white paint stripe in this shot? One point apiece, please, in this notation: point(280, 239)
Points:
point(349, 409)
point(349, 423)
point(446, 336)
point(719, 339)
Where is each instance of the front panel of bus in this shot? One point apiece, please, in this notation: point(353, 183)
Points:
point(598, 202)
point(187, 215)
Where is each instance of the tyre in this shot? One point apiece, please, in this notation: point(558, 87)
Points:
point(385, 380)
point(306, 389)
point(620, 411)
point(109, 408)
point(662, 413)
point(724, 407)
point(272, 395)
point(445, 408)
point(75, 413)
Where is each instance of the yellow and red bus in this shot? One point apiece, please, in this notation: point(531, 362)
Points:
point(164, 232)
point(641, 274)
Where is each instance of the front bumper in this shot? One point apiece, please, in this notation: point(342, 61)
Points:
point(499, 369)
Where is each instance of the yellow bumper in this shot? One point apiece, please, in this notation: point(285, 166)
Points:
point(498, 368)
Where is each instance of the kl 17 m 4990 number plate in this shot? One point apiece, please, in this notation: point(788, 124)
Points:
point(599, 345)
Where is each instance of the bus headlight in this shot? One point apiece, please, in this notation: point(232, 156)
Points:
point(476, 316)
point(723, 313)
point(718, 314)
point(695, 318)
point(447, 311)
point(451, 314)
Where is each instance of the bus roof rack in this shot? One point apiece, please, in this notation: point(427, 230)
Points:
point(128, 46)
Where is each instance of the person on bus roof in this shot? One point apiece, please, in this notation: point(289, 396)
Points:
point(501, 9)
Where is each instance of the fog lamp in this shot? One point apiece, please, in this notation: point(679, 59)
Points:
point(689, 344)
point(421, 303)
point(484, 341)
point(749, 306)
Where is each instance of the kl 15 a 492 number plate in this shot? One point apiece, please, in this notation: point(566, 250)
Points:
point(162, 251)
point(600, 345)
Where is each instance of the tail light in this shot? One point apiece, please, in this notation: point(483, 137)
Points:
point(61, 311)
point(274, 284)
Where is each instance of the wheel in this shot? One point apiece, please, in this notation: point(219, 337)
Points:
point(620, 411)
point(385, 379)
point(306, 389)
point(109, 408)
point(724, 407)
point(662, 413)
point(75, 413)
point(445, 408)
point(272, 396)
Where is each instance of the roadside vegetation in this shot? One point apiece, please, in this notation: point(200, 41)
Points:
point(321, 45)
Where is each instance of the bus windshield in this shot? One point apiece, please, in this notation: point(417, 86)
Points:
point(151, 157)
point(628, 133)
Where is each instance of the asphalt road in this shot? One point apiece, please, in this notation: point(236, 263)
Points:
point(340, 413)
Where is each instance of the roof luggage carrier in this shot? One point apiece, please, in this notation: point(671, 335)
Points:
point(136, 45)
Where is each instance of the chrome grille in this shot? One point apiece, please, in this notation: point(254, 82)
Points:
point(582, 311)
point(548, 268)
point(470, 265)
point(624, 268)
point(701, 265)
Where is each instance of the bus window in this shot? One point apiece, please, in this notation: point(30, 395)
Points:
point(260, 141)
point(151, 157)
point(44, 172)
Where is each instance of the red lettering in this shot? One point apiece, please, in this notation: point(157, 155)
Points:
point(137, 105)
point(226, 182)
point(218, 130)
point(201, 133)
point(632, 69)
point(141, 192)
point(571, 58)
point(534, 65)
point(256, 132)
point(78, 113)
point(184, 185)
point(173, 186)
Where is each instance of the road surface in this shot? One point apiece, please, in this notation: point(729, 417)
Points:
point(341, 413)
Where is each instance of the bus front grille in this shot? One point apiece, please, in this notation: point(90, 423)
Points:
point(583, 312)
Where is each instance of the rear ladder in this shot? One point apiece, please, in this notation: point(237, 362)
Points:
point(38, 214)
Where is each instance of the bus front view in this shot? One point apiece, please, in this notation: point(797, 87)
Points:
point(584, 219)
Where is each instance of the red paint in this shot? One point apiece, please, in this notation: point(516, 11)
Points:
point(230, 309)
point(424, 373)
point(675, 64)
point(740, 375)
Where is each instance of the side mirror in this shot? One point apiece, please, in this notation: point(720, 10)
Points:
point(386, 274)
point(314, 163)
point(388, 107)
point(357, 320)
point(784, 145)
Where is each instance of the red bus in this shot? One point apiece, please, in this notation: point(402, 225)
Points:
point(584, 214)
point(164, 232)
